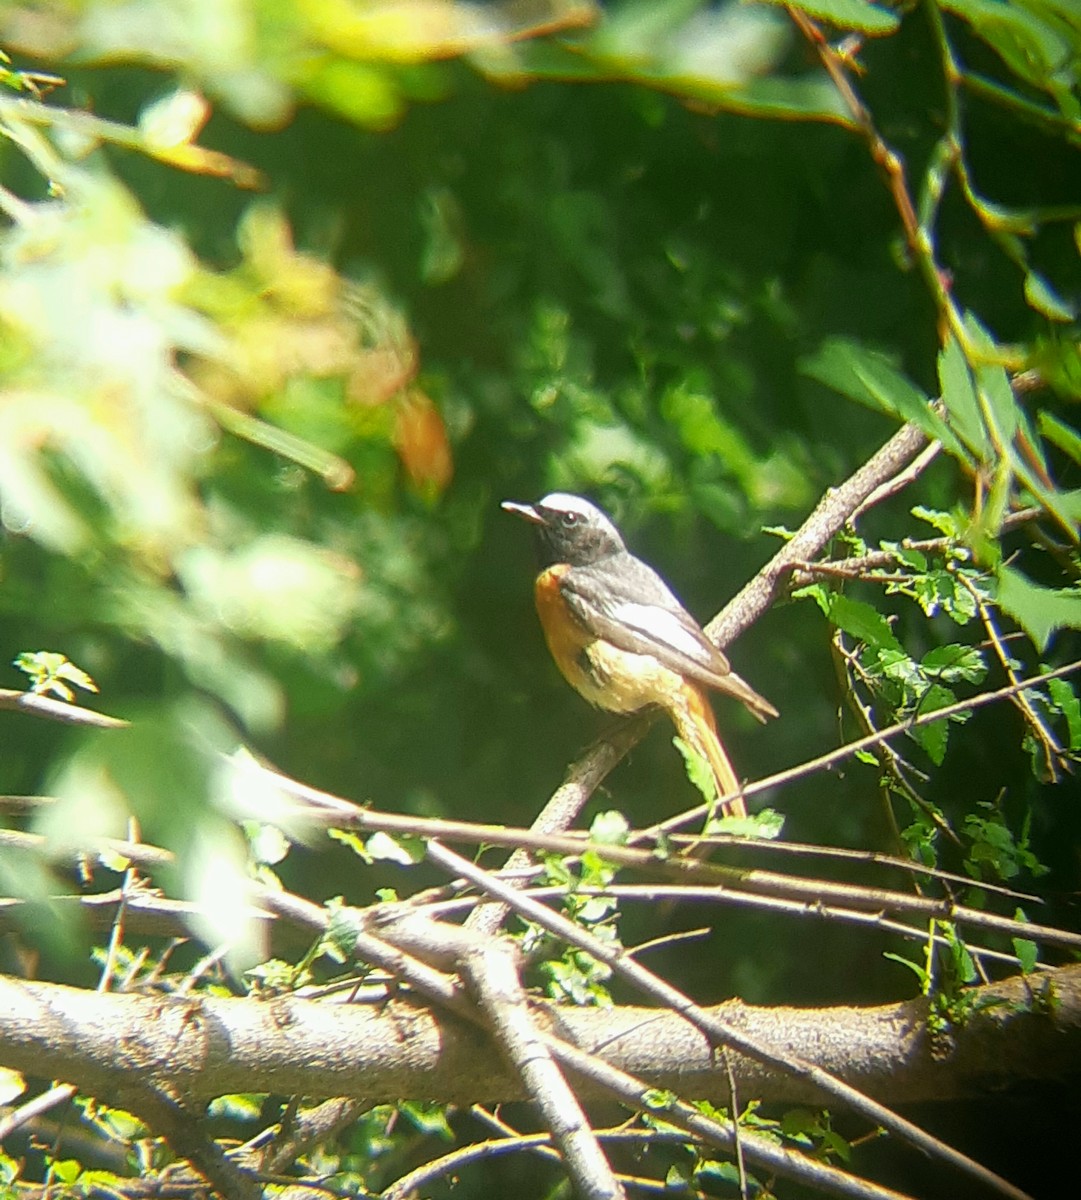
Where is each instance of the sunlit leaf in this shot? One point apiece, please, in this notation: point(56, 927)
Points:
point(175, 119)
point(861, 621)
point(959, 397)
point(1045, 300)
point(850, 14)
point(1040, 611)
point(404, 851)
point(609, 828)
point(871, 378)
point(12, 1085)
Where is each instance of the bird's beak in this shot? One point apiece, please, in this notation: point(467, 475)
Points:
point(526, 511)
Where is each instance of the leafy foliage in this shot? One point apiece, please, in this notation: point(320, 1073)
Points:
point(251, 449)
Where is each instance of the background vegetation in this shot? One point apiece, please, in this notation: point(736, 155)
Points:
point(291, 296)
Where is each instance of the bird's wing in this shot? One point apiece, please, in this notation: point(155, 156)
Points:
point(632, 607)
point(627, 603)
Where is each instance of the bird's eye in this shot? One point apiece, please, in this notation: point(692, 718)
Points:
point(570, 519)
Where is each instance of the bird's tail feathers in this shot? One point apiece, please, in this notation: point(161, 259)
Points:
point(698, 728)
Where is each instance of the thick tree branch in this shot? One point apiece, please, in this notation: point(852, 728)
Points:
point(1021, 1030)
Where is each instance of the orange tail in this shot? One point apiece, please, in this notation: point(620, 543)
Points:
point(694, 720)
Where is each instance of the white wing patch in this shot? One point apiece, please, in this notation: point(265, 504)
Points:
point(660, 626)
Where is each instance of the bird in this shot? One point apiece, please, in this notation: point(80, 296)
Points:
point(622, 639)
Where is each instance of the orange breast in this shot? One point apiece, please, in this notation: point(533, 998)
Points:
point(565, 636)
point(617, 680)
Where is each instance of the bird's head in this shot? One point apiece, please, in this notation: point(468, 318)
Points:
point(569, 528)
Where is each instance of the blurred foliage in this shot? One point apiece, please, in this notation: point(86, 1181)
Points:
point(292, 294)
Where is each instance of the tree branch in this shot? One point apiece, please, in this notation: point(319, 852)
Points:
point(1017, 1031)
point(57, 710)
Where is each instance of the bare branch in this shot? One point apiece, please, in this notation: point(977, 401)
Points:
point(719, 1031)
point(1023, 1029)
point(346, 815)
point(57, 710)
point(140, 854)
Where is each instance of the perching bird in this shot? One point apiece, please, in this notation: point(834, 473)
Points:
point(622, 639)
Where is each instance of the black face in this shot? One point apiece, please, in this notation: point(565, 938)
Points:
point(568, 529)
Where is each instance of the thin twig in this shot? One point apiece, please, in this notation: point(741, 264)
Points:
point(900, 481)
point(1054, 755)
point(57, 710)
point(719, 1032)
point(815, 909)
point(420, 1180)
point(30, 1111)
point(140, 853)
point(832, 757)
point(441, 989)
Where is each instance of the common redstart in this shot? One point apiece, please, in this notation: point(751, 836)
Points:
point(622, 639)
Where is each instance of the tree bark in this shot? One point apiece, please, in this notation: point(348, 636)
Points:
point(1022, 1029)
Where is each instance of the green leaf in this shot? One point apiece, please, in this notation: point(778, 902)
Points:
point(345, 927)
point(961, 960)
point(871, 378)
point(833, 1143)
point(1038, 610)
point(609, 829)
point(239, 1106)
point(403, 850)
point(861, 621)
point(66, 1170)
point(1000, 402)
point(959, 397)
point(865, 375)
point(916, 969)
point(1028, 954)
point(362, 92)
point(1066, 700)
point(353, 840)
point(940, 590)
point(810, 97)
point(1057, 357)
point(1045, 300)
point(849, 14)
point(916, 560)
point(933, 736)
point(897, 665)
point(1035, 49)
point(1059, 434)
point(699, 771)
point(428, 1118)
point(802, 1123)
point(955, 664)
point(49, 671)
point(766, 824)
point(818, 592)
point(946, 523)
